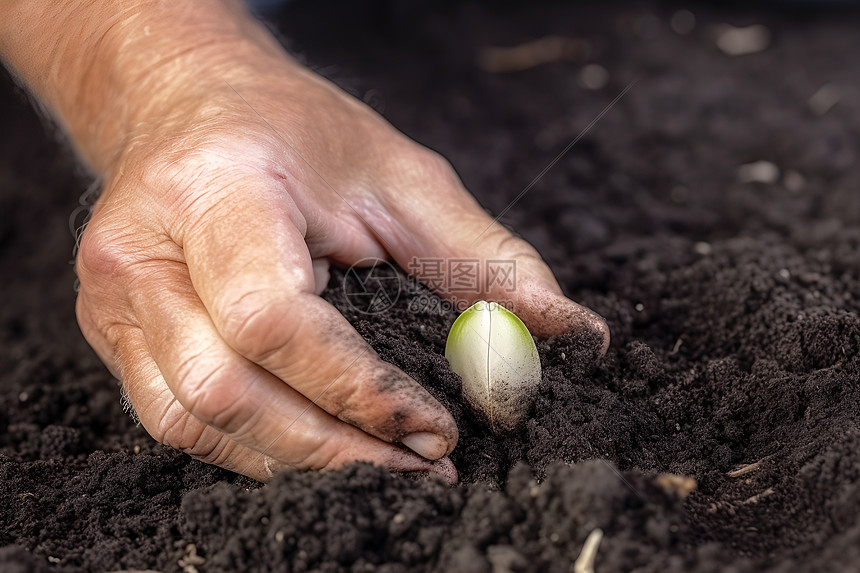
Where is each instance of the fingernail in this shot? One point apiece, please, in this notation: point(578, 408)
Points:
point(426, 445)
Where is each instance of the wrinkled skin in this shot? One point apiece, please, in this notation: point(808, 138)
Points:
point(197, 270)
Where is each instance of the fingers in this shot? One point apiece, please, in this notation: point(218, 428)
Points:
point(169, 422)
point(438, 219)
point(194, 393)
point(259, 294)
point(154, 405)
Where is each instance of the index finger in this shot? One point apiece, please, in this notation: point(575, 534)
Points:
point(259, 294)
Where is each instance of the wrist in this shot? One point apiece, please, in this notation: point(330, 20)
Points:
point(105, 69)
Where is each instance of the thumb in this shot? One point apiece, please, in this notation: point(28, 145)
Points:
point(448, 242)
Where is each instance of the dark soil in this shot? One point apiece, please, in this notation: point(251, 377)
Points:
point(733, 306)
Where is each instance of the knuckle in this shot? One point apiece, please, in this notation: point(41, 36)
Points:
point(101, 254)
point(171, 424)
point(218, 452)
point(317, 455)
point(177, 431)
point(247, 328)
point(190, 436)
point(423, 165)
point(499, 242)
point(164, 418)
point(218, 404)
point(257, 328)
point(116, 248)
point(510, 246)
point(208, 391)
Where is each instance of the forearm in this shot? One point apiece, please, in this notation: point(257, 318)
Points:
point(102, 67)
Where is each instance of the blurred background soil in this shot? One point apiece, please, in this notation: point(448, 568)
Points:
point(712, 216)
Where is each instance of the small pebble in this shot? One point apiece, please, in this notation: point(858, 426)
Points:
point(785, 273)
point(554, 537)
point(824, 99)
point(136, 449)
point(264, 520)
point(23, 396)
point(398, 518)
point(794, 181)
point(593, 77)
point(563, 356)
point(758, 172)
point(742, 41)
point(682, 22)
point(703, 248)
point(639, 307)
point(279, 536)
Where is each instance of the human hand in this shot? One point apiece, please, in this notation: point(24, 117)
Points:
point(197, 267)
